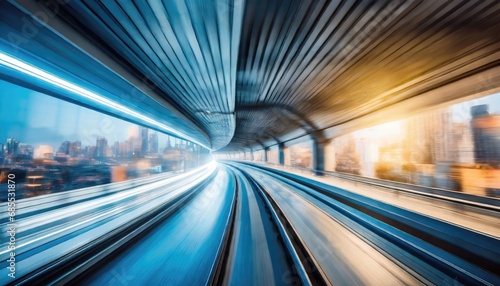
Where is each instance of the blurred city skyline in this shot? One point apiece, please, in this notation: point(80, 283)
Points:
point(33, 118)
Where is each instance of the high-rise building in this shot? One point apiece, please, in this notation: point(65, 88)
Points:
point(12, 146)
point(169, 144)
point(115, 150)
point(101, 147)
point(486, 135)
point(15, 148)
point(90, 152)
point(75, 149)
point(64, 148)
point(464, 142)
point(430, 138)
point(480, 139)
point(153, 143)
point(144, 141)
point(8, 145)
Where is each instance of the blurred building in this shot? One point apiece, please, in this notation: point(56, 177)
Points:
point(144, 141)
point(115, 150)
point(12, 146)
point(464, 143)
point(431, 138)
point(44, 152)
point(64, 148)
point(153, 143)
point(75, 149)
point(125, 149)
point(26, 150)
point(369, 153)
point(486, 134)
point(346, 155)
point(168, 145)
point(133, 132)
point(90, 152)
point(101, 147)
point(300, 155)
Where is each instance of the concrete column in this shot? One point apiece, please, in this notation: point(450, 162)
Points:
point(265, 153)
point(281, 153)
point(318, 156)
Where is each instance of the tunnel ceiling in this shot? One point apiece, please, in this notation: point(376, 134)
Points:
point(185, 50)
point(260, 70)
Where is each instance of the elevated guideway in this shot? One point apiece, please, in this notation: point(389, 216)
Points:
point(249, 224)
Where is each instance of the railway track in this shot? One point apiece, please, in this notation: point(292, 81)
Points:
point(487, 203)
point(434, 250)
point(250, 226)
point(263, 233)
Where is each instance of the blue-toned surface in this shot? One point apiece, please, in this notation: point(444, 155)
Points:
point(257, 257)
point(419, 253)
point(183, 249)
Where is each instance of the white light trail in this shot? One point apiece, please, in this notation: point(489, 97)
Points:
point(33, 71)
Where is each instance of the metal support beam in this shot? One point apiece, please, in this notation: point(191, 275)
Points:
point(291, 114)
point(281, 153)
point(318, 157)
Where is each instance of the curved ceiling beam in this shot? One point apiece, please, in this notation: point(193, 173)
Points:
point(62, 49)
point(272, 137)
point(298, 118)
point(260, 143)
point(188, 50)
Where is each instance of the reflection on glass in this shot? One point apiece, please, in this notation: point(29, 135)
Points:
point(273, 155)
point(300, 155)
point(456, 148)
point(258, 155)
point(52, 146)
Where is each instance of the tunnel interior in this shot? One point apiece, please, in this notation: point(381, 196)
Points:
point(249, 142)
